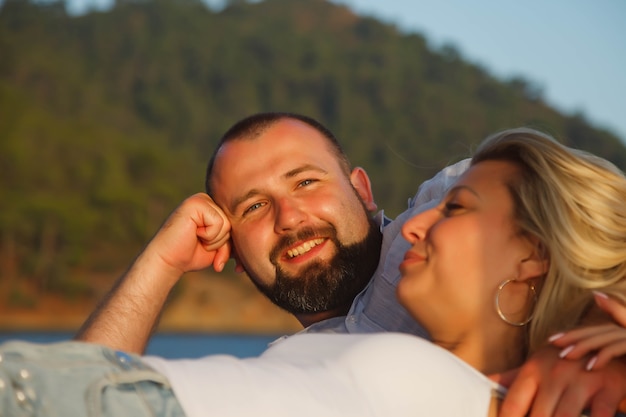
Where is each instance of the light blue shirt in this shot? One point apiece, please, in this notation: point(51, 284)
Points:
point(376, 308)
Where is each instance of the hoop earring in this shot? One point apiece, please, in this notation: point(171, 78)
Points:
point(501, 313)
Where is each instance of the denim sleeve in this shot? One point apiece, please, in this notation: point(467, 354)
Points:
point(74, 379)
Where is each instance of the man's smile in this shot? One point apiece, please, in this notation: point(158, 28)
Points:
point(306, 245)
point(304, 248)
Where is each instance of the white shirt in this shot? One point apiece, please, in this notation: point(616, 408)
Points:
point(319, 374)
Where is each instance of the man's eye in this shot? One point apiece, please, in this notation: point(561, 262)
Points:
point(253, 207)
point(306, 182)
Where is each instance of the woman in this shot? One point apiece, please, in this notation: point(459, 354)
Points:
point(515, 251)
point(495, 253)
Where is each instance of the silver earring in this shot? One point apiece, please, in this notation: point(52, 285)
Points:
point(501, 313)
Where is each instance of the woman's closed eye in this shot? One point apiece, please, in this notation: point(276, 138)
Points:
point(451, 207)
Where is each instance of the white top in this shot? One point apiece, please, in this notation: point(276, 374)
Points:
point(318, 374)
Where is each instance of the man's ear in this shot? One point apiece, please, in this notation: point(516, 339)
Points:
point(233, 255)
point(361, 183)
point(239, 267)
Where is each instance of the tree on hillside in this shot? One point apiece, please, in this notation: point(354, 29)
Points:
point(108, 119)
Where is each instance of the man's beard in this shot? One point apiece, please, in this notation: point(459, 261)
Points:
point(324, 285)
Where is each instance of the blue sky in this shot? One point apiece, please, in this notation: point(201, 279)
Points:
point(575, 50)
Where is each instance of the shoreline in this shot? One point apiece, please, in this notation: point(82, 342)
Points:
point(205, 303)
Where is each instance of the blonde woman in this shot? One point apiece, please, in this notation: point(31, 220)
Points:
point(513, 254)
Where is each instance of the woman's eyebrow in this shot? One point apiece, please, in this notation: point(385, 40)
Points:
point(457, 188)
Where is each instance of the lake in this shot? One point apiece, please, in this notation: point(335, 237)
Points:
point(173, 345)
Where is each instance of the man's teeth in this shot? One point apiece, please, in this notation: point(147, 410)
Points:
point(304, 248)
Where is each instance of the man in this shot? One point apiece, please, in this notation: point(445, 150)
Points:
point(297, 218)
point(300, 229)
point(314, 246)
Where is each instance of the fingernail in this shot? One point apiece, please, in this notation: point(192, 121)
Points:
point(601, 294)
point(591, 363)
point(555, 337)
point(565, 351)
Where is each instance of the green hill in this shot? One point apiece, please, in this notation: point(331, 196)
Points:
point(107, 120)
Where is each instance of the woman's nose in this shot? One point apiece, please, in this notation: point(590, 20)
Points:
point(416, 228)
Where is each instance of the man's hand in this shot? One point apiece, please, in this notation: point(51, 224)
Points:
point(195, 236)
point(547, 385)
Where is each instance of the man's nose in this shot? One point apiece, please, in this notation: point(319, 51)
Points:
point(289, 214)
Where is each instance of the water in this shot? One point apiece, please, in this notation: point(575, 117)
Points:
point(173, 345)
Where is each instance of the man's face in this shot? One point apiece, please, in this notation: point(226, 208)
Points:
point(298, 225)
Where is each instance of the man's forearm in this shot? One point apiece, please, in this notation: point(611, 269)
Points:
point(127, 316)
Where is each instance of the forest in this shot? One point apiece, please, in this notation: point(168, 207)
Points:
point(108, 119)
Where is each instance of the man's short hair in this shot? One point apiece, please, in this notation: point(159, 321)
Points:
point(253, 126)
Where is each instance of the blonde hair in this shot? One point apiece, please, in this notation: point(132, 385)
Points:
point(575, 204)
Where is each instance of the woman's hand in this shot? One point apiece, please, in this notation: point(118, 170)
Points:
point(605, 342)
point(547, 385)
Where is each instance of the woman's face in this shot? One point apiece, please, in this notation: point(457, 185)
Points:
point(461, 251)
